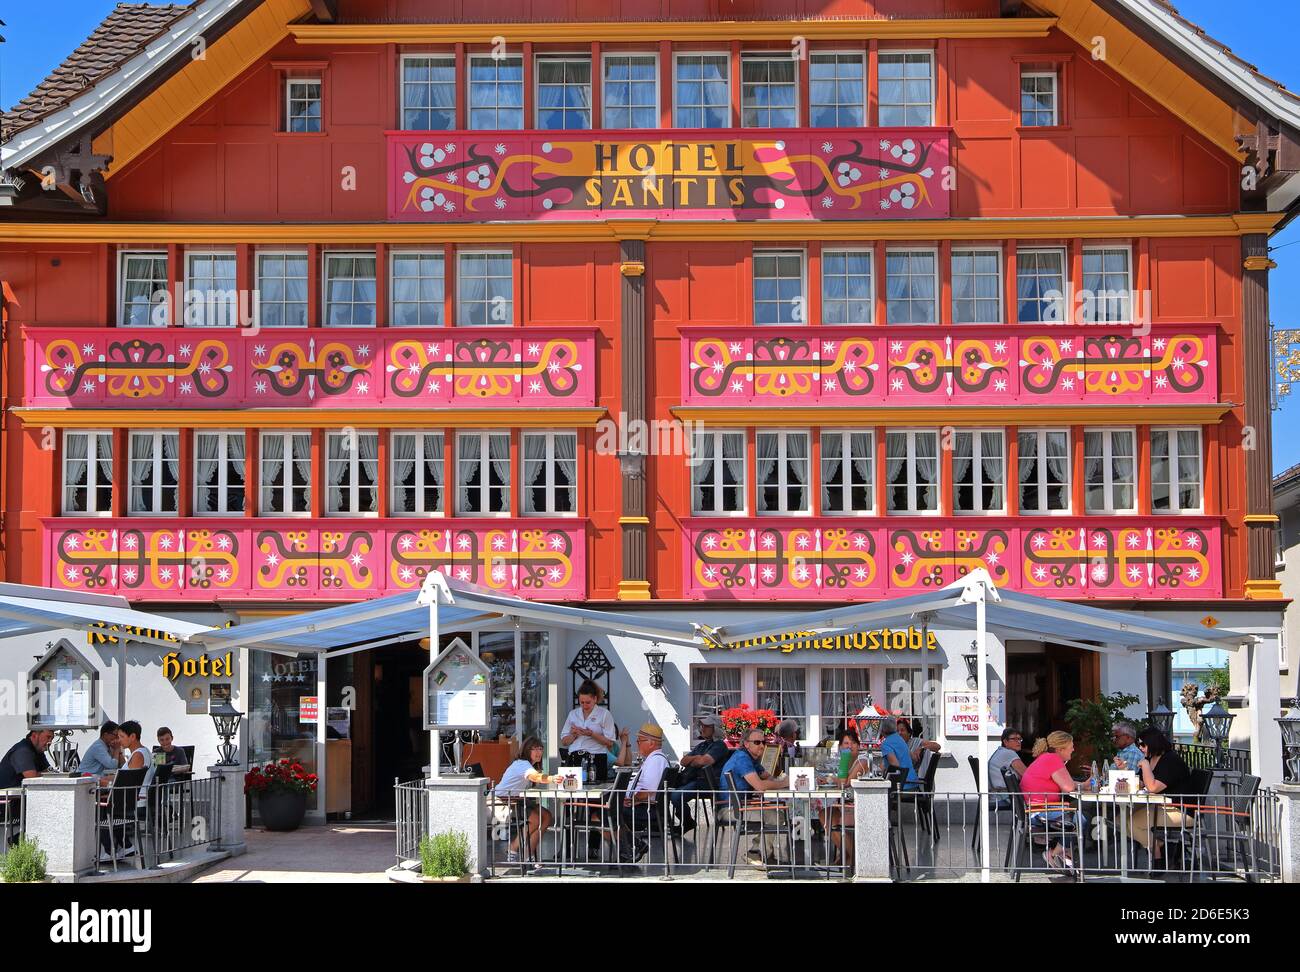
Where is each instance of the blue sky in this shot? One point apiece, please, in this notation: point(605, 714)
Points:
point(39, 34)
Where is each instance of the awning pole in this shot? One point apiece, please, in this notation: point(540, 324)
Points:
point(435, 747)
point(982, 691)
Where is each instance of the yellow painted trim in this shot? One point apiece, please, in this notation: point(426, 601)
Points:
point(633, 590)
point(632, 268)
point(322, 418)
point(895, 416)
point(1103, 227)
point(715, 30)
point(1260, 518)
point(634, 521)
point(1264, 590)
point(1258, 263)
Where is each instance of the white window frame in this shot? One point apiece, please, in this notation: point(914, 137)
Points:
point(978, 482)
point(352, 457)
point(565, 58)
point(420, 462)
point(839, 106)
point(462, 303)
point(289, 99)
point(782, 672)
point(846, 460)
point(205, 308)
point(880, 103)
point(403, 107)
point(497, 84)
point(718, 437)
point(1062, 308)
point(550, 462)
point(286, 487)
point(1172, 432)
point(1041, 486)
point(1055, 93)
point(999, 316)
point(1109, 483)
point(122, 258)
point(933, 253)
point(1088, 316)
point(604, 82)
point(223, 488)
point(769, 56)
point(783, 481)
point(93, 484)
point(484, 461)
point(849, 251)
point(800, 311)
point(441, 260)
point(302, 255)
point(326, 304)
point(677, 103)
point(912, 485)
point(698, 693)
point(155, 490)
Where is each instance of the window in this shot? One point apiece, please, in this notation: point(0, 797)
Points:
point(563, 93)
point(496, 93)
point(912, 471)
point(837, 90)
point(914, 692)
point(352, 468)
point(211, 299)
point(302, 104)
point(717, 472)
point(844, 692)
point(418, 289)
point(782, 472)
point(714, 689)
point(482, 473)
point(911, 283)
point(1044, 473)
point(155, 473)
point(631, 91)
point(1040, 286)
point(282, 289)
point(285, 473)
point(702, 92)
point(778, 287)
point(428, 94)
point(978, 465)
point(550, 473)
point(218, 473)
point(142, 290)
point(767, 91)
point(783, 691)
point(906, 88)
point(349, 289)
point(1109, 467)
point(847, 461)
point(1176, 470)
point(847, 295)
point(1107, 283)
point(1038, 101)
point(976, 286)
point(485, 288)
point(416, 473)
point(87, 473)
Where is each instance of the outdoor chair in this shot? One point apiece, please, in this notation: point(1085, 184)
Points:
point(897, 776)
point(702, 805)
point(923, 799)
point(751, 815)
point(1226, 820)
point(996, 807)
point(1023, 830)
point(117, 819)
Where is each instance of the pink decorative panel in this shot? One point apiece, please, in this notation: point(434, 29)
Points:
point(452, 177)
point(313, 559)
point(311, 367)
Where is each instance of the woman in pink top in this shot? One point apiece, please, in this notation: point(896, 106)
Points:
point(1043, 783)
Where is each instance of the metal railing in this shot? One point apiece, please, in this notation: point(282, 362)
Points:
point(143, 826)
point(1201, 756)
point(685, 832)
point(412, 802)
point(13, 818)
point(1124, 836)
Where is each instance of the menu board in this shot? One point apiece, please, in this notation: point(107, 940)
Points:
point(456, 690)
point(961, 713)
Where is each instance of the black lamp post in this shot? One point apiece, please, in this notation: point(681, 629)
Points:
point(1161, 719)
point(972, 670)
point(1290, 726)
point(655, 659)
point(226, 718)
point(1218, 724)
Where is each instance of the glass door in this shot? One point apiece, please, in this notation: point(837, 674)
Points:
point(281, 721)
point(498, 651)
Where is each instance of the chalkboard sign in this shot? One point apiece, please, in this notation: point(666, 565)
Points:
point(456, 690)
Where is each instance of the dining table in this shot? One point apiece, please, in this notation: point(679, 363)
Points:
point(1121, 806)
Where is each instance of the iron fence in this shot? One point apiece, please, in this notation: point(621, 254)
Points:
point(144, 826)
point(412, 802)
point(12, 817)
point(1199, 756)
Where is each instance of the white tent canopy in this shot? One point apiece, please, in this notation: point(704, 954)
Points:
point(28, 610)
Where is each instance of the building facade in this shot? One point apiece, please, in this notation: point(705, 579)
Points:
point(697, 307)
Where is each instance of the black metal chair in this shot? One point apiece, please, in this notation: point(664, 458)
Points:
point(1023, 828)
point(117, 816)
point(748, 814)
point(897, 777)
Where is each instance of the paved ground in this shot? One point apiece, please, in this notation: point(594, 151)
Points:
point(343, 852)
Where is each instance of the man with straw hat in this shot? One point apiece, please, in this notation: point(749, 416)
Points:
point(642, 792)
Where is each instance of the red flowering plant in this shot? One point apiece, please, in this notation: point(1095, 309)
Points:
point(279, 776)
point(740, 720)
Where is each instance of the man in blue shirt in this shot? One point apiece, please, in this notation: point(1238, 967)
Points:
point(895, 752)
point(101, 755)
point(1125, 737)
point(743, 769)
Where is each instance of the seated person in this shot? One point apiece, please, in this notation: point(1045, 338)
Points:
point(1006, 756)
point(173, 755)
point(1127, 754)
point(894, 750)
point(743, 770)
point(1043, 782)
point(710, 751)
point(102, 757)
point(915, 744)
point(642, 793)
point(523, 771)
point(850, 769)
point(26, 758)
point(620, 751)
point(1163, 771)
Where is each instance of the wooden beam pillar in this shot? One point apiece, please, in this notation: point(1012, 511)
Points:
point(1259, 520)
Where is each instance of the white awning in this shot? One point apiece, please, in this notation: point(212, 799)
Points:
point(28, 610)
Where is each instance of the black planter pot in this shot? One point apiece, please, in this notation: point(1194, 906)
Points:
point(282, 809)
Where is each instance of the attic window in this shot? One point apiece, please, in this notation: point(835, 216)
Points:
point(302, 105)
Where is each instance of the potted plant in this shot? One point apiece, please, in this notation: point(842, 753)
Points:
point(740, 720)
point(445, 857)
point(24, 864)
point(282, 788)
